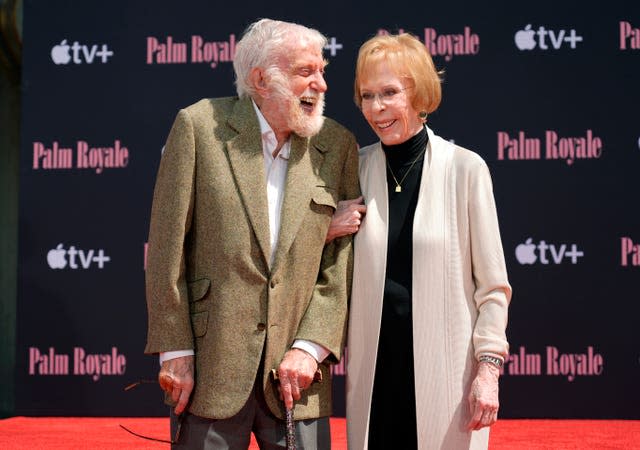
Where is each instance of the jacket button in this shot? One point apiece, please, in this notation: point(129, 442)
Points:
point(261, 326)
point(273, 283)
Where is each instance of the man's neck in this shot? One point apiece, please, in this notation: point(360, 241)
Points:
point(281, 141)
point(281, 136)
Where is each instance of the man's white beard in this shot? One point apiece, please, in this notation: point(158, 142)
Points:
point(297, 119)
point(300, 122)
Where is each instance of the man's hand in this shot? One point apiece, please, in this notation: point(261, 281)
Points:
point(483, 398)
point(176, 379)
point(347, 218)
point(296, 372)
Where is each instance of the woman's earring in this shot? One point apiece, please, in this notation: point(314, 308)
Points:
point(423, 116)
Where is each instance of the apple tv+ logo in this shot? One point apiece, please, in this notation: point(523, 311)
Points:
point(526, 253)
point(77, 53)
point(528, 39)
point(59, 258)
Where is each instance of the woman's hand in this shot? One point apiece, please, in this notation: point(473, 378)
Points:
point(483, 398)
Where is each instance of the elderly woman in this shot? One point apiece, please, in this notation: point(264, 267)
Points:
point(430, 290)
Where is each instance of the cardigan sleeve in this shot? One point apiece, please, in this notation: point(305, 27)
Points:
point(493, 292)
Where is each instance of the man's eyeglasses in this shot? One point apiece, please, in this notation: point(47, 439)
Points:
point(387, 96)
point(176, 435)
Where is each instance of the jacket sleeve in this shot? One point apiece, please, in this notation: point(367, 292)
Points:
point(493, 292)
point(325, 321)
point(169, 326)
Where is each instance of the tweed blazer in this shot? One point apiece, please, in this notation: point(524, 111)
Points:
point(209, 286)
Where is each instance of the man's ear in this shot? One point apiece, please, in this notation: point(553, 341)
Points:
point(258, 81)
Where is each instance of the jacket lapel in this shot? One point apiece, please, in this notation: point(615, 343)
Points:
point(247, 164)
point(304, 165)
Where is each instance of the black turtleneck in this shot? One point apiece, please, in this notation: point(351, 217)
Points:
point(405, 163)
point(393, 414)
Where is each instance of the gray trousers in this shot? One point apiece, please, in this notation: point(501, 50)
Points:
point(234, 433)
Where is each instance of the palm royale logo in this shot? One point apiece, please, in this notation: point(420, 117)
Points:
point(629, 36)
point(171, 51)
point(554, 362)
point(96, 365)
point(448, 45)
point(556, 147)
point(199, 51)
point(629, 252)
point(85, 156)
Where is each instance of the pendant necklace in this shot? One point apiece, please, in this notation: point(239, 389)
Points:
point(399, 183)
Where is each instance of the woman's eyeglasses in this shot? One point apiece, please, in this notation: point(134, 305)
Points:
point(387, 96)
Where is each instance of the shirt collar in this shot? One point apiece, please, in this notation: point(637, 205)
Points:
point(269, 136)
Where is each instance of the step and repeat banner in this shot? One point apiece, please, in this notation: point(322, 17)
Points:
point(547, 94)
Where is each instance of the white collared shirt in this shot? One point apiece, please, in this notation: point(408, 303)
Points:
point(275, 169)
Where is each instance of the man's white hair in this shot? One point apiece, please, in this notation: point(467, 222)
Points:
point(263, 42)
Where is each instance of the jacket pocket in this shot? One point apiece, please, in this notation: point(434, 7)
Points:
point(199, 322)
point(198, 290)
point(324, 196)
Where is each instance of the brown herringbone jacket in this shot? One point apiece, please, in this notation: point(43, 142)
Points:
point(208, 282)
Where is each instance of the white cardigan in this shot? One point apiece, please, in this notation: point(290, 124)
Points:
point(460, 292)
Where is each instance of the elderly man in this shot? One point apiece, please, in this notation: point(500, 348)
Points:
point(239, 279)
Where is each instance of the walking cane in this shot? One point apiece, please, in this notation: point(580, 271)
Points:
point(288, 413)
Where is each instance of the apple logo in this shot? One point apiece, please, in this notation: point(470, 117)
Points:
point(524, 38)
point(56, 257)
point(525, 253)
point(60, 53)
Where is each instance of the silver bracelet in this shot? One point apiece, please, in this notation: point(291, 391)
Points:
point(491, 360)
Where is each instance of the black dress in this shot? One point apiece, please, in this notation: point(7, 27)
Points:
point(393, 410)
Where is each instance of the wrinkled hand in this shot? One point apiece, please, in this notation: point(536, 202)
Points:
point(176, 379)
point(296, 372)
point(483, 398)
point(346, 219)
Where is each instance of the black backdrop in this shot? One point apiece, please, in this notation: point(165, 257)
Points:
point(548, 94)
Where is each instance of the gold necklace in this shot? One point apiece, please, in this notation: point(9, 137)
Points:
point(399, 183)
